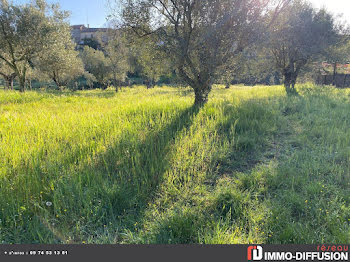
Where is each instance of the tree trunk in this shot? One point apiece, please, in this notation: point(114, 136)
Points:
point(201, 94)
point(294, 81)
point(117, 85)
point(227, 86)
point(287, 81)
point(290, 78)
point(149, 84)
point(22, 84)
point(8, 83)
point(21, 78)
point(57, 83)
point(334, 73)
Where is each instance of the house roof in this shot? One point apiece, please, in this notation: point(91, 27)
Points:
point(84, 29)
point(92, 30)
point(78, 26)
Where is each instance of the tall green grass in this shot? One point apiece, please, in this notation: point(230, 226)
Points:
point(145, 166)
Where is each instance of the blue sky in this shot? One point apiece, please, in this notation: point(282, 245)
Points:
point(82, 11)
point(96, 11)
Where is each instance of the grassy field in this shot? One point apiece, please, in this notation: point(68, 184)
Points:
point(144, 166)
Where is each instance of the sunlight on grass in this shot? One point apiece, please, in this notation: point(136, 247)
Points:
point(145, 166)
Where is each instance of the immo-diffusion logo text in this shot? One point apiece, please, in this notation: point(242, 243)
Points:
point(256, 253)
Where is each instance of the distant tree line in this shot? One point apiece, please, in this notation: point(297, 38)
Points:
point(194, 43)
point(232, 41)
point(36, 45)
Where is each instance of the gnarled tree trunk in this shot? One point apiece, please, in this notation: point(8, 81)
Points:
point(150, 84)
point(22, 83)
point(201, 94)
point(57, 83)
point(8, 84)
point(290, 79)
point(9, 80)
point(56, 79)
point(334, 74)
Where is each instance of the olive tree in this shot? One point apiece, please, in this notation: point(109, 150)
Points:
point(7, 74)
point(25, 31)
point(98, 65)
point(253, 66)
point(61, 62)
point(152, 61)
point(200, 36)
point(301, 34)
point(339, 53)
point(117, 52)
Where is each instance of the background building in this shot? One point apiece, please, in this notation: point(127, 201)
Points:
point(81, 33)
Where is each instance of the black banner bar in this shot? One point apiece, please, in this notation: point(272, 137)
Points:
point(154, 253)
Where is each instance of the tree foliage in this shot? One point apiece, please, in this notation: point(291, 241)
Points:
point(25, 31)
point(117, 52)
point(97, 64)
point(301, 34)
point(151, 60)
point(61, 63)
point(200, 37)
point(338, 53)
point(7, 74)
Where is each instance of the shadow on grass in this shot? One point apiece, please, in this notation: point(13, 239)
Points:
point(112, 193)
point(297, 192)
point(255, 126)
point(270, 198)
point(264, 190)
point(182, 214)
point(140, 166)
point(118, 185)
